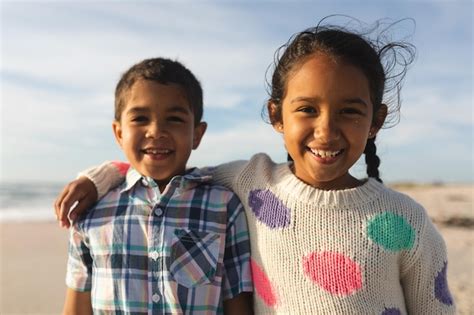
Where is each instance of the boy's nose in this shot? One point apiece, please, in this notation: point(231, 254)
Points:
point(326, 129)
point(155, 130)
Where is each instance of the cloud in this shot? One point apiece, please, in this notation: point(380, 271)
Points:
point(239, 142)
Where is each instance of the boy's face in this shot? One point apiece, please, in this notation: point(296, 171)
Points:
point(157, 131)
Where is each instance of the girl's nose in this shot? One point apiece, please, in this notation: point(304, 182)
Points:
point(326, 128)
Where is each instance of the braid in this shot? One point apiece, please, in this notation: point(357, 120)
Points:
point(371, 159)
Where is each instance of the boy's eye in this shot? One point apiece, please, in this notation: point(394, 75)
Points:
point(140, 119)
point(176, 119)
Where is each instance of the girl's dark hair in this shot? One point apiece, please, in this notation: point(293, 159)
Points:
point(383, 61)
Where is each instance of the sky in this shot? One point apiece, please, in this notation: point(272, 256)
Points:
point(60, 62)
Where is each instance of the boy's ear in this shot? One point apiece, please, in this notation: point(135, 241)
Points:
point(199, 131)
point(275, 116)
point(379, 119)
point(117, 128)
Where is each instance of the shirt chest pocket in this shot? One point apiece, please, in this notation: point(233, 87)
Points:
point(194, 257)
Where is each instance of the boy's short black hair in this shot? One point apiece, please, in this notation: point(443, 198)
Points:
point(164, 71)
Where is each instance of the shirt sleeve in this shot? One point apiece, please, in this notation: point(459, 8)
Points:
point(79, 265)
point(237, 276)
point(106, 176)
point(424, 282)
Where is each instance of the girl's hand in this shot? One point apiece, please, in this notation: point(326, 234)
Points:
point(80, 194)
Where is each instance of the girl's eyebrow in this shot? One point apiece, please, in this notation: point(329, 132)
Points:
point(305, 99)
point(355, 100)
point(316, 100)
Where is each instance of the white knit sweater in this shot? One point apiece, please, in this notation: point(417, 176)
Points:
point(366, 250)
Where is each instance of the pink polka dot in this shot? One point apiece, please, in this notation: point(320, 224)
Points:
point(121, 167)
point(262, 285)
point(334, 272)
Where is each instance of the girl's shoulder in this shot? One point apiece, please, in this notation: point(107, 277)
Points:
point(398, 204)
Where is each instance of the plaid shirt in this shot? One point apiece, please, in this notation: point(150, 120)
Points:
point(142, 252)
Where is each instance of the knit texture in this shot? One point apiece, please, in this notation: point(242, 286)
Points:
point(106, 176)
point(366, 250)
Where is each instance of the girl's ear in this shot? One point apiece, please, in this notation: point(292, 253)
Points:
point(274, 113)
point(379, 119)
point(199, 131)
point(117, 128)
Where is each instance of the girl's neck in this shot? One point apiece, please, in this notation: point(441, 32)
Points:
point(345, 182)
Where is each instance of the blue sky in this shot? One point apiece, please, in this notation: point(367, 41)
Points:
point(60, 61)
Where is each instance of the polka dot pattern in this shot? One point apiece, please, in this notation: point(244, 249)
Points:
point(391, 311)
point(441, 287)
point(269, 209)
point(334, 272)
point(262, 285)
point(391, 231)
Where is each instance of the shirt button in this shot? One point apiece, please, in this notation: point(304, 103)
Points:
point(156, 298)
point(158, 211)
point(154, 255)
point(144, 182)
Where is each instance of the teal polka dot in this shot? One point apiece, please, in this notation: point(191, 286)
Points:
point(391, 231)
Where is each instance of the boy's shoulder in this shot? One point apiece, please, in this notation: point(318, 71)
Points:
point(106, 205)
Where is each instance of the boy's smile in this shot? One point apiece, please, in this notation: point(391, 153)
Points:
point(326, 120)
point(157, 131)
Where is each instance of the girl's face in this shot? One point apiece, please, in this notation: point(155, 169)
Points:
point(326, 120)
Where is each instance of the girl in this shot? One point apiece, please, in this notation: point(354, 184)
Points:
point(323, 241)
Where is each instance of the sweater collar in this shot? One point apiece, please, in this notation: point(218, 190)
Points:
point(294, 188)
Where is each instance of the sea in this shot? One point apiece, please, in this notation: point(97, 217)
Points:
point(23, 202)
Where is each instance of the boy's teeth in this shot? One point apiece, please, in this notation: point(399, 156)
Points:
point(155, 151)
point(325, 154)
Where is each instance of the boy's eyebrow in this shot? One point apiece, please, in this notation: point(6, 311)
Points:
point(173, 109)
point(185, 109)
point(138, 109)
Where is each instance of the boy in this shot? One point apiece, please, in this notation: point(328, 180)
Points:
point(166, 240)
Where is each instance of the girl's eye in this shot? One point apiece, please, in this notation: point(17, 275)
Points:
point(351, 111)
point(307, 109)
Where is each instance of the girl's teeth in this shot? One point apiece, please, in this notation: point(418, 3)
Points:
point(325, 154)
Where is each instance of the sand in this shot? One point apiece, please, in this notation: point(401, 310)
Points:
point(33, 255)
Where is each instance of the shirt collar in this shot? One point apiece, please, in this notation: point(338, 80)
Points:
point(192, 178)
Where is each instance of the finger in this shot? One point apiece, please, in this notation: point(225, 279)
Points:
point(59, 200)
point(68, 201)
point(80, 207)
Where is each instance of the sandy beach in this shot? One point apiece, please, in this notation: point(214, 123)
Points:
point(33, 255)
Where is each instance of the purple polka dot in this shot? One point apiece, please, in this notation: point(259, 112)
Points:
point(269, 209)
point(441, 287)
point(391, 311)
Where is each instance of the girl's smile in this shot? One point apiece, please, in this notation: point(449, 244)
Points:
point(325, 120)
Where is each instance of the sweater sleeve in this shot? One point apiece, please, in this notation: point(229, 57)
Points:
point(425, 282)
point(106, 176)
point(227, 174)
